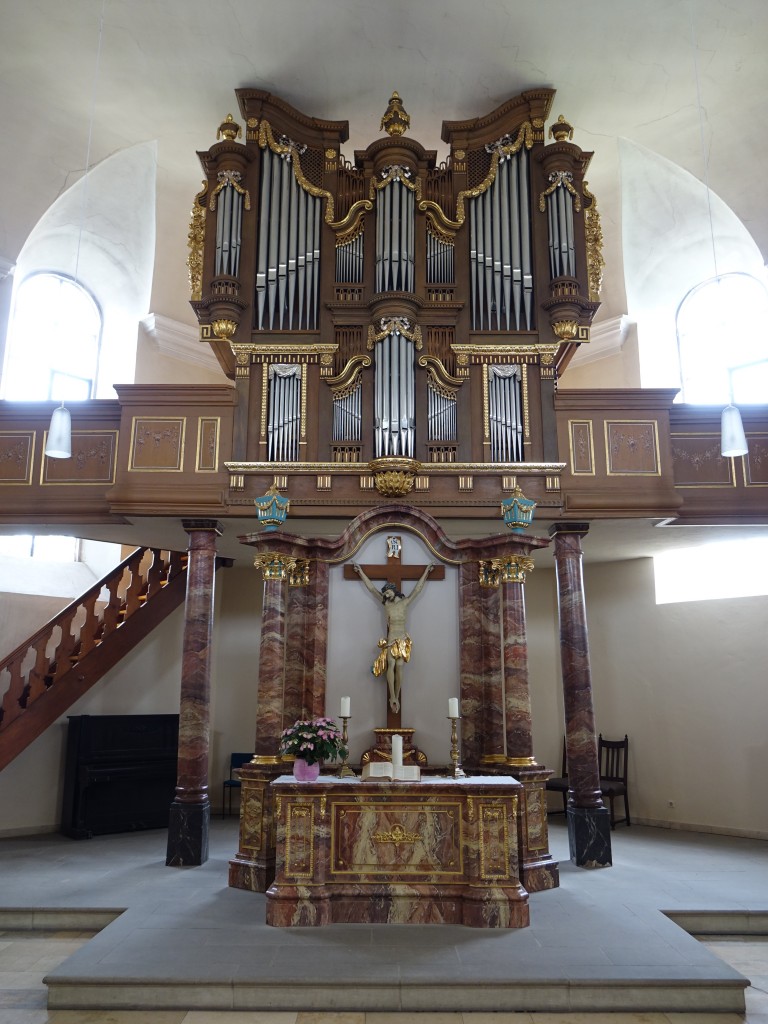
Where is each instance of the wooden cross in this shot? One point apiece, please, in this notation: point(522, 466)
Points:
point(393, 571)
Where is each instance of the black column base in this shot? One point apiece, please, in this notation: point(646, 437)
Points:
point(188, 827)
point(589, 837)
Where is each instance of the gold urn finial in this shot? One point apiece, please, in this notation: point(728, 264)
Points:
point(561, 131)
point(229, 129)
point(396, 121)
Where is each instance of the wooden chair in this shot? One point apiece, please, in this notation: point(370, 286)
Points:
point(612, 757)
point(560, 783)
point(235, 761)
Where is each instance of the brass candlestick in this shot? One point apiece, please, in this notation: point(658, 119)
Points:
point(345, 772)
point(458, 772)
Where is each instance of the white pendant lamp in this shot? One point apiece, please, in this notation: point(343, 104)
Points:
point(59, 442)
point(733, 440)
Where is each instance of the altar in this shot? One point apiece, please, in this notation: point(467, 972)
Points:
point(438, 851)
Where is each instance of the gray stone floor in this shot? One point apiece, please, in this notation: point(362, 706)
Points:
point(181, 939)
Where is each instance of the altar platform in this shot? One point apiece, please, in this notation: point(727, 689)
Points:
point(181, 938)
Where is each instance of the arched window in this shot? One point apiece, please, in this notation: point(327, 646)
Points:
point(722, 347)
point(53, 341)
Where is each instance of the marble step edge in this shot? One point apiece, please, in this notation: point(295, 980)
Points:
point(732, 923)
point(57, 919)
point(586, 995)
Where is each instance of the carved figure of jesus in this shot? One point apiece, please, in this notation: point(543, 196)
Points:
point(396, 649)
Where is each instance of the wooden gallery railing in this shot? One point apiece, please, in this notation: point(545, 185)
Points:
point(46, 674)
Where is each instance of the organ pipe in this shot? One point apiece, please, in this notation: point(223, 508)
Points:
point(394, 396)
point(501, 266)
point(505, 413)
point(349, 261)
point(562, 253)
point(441, 413)
point(395, 237)
point(288, 258)
point(229, 220)
point(439, 260)
point(284, 413)
point(347, 414)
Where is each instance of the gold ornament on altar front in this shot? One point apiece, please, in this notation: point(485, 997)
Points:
point(395, 120)
point(396, 834)
point(224, 329)
point(394, 477)
point(229, 129)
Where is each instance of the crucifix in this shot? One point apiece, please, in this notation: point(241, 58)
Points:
point(395, 649)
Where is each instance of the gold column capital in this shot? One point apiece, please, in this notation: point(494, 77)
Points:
point(275, 566)
point(512, 568)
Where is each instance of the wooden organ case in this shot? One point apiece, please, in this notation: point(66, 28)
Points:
point(392, 324)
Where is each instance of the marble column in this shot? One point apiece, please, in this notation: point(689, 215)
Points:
point(294, 706)
point(253, 866)
point(191, 811)
point(492, 745)
point(517, 697)
point(470, 658)
point(316, 640)
point(588, 820)
point(538, 870)
point(269, 708)
point(482, 705)
point(306, 642)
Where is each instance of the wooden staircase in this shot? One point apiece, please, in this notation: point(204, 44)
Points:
point(46, 674)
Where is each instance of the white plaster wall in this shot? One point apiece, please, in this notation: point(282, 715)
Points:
point(687, 683)
point(357, 621)
point(235, 670)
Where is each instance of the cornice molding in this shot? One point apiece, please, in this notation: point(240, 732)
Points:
point(179, 341)
point(605, 339)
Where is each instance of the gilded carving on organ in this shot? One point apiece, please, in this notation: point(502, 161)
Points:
point(439, 253)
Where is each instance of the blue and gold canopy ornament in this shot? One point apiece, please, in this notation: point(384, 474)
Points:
point(518, 511)
point(272, 509)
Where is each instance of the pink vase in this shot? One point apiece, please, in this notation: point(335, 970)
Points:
point(304, 772)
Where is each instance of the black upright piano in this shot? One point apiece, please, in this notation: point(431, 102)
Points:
point(120, 773)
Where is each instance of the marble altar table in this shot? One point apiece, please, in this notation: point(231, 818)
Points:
point(438, 851)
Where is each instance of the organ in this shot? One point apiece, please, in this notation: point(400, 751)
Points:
point(393, 322)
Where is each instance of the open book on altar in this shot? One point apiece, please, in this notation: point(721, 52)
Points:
point(396, 773)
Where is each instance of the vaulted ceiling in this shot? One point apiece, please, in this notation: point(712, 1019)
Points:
point(685, 78)
point(167, 71)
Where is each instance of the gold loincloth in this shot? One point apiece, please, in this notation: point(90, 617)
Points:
point(400, 649)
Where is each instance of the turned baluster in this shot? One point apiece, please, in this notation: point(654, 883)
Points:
point(62, 655)
point(40, 674)
point(135, 587)
point(12, 706)
point(177, 562)
point(89, 631)
point(156, 574)
point(111, 618)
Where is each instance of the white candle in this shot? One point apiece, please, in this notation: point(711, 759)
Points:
point(397, 751)
point(344, 708)
point(453, 707)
